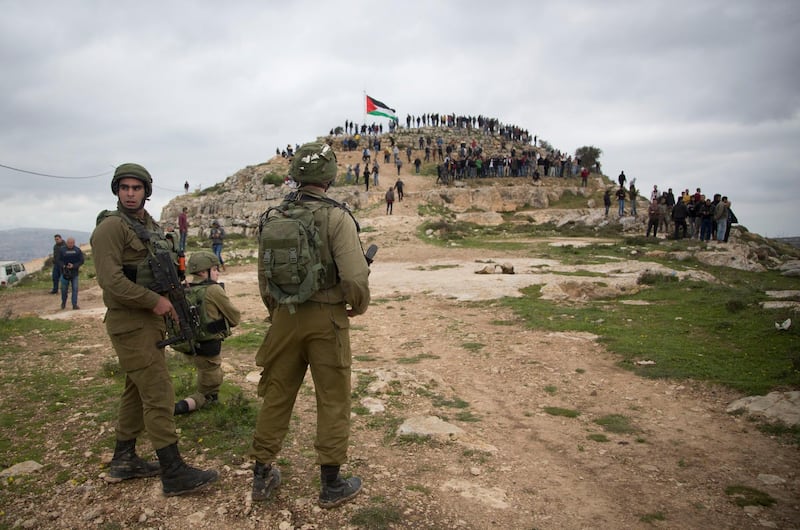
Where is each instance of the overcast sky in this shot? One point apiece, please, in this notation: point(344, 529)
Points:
point(681, 94)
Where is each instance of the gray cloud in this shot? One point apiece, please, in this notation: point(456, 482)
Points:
point(679, 94)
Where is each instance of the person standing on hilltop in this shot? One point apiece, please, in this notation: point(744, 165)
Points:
point(607, 200)
point(217, 236)
point(122, 242)
point(721, 218)
point(59, 244)
point(633, 193)
point(621, 200)
point(653, 218)
point(621, 179)
point(183, 228)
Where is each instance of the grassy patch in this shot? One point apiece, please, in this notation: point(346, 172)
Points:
point(467, 416)
point(617, 424)
point(250, 340)
point(559, 411)
point(687, 329)
point(598, 437)
point(781, 430)
point(746, 496)
point(416, 359)
point(455, 403)
point(473, 346)
point(376, 517)
point(652, 517)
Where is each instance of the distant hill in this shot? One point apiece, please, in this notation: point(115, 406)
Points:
point(794, 241)
point(25, 244)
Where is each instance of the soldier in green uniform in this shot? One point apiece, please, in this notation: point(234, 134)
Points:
point(217, 316)
point(314, 333)
point(135, 322)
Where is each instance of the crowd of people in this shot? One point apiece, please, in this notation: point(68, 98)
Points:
point(691, 215)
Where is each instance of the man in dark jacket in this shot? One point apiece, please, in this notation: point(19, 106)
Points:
point(71, 260)
point(679, 214)
point(59, 244)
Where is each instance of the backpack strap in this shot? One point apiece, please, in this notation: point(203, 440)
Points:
point(300, 196)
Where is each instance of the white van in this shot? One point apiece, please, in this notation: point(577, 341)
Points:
point(11, 272)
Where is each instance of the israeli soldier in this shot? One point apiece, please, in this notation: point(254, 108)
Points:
point(217, 316)
point(135, 322)
point(313, 333)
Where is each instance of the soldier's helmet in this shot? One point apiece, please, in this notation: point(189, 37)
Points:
point(201, 261)
point(135, 171)
point(314, 163)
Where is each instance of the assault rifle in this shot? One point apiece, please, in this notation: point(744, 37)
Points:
point(167, 282)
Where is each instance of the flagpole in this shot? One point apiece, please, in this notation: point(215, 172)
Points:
point(364, 103)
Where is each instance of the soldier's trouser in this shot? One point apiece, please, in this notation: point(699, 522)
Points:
point(148, 400)
point(316, 335)
point(209, 377)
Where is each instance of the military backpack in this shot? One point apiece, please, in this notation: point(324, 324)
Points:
point(290, 247)
point(208, 329)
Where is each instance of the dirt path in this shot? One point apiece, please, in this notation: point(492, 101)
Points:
point(442, 348)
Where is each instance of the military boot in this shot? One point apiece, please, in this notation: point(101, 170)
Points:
point(265, 479)
point(336, 490)
point(177, 477)
point(126, 464)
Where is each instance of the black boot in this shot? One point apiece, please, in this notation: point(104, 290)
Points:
point(181, 407)
point(336, 490)
point(265, 479)
point(178, 478)
point(126, 464)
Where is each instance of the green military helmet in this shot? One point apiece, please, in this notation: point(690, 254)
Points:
point(201, 261)
point(135, 171)
point(314, 163)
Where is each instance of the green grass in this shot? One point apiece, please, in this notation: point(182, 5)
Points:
point(617, 424)
point(651, 517)
point(416, 358)
point(377, 517)
point(559, 411)
point(747, 496)
point(690, 329)
point(250, 340)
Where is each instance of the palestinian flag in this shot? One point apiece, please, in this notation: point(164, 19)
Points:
point(376, 108)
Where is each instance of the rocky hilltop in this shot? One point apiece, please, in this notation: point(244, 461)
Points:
point(239, 200)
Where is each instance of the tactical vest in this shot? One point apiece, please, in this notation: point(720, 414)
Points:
point(208, 329)
point(155, 240)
